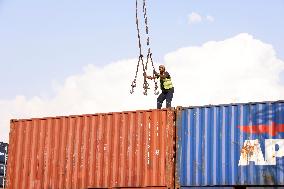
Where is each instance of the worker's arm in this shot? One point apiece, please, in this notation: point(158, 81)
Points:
point(156, 75)
point(151, 77)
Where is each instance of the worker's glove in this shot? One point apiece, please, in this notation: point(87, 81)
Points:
point(155, 73)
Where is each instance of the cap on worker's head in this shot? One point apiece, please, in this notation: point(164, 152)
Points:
point(162, 66)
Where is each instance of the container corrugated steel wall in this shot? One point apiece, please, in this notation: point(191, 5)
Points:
point(3, 152)
point(204, 187)
point(124, 149)
point(3, 161)
point(229, 145)
point(1, 181)
point(2, 169)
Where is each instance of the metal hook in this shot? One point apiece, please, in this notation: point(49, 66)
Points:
point(133, 85)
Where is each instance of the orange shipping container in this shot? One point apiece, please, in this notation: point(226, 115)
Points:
point(123, 149)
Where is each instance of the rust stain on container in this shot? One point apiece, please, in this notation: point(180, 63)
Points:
point(123, 149)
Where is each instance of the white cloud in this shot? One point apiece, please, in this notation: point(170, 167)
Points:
point(194, 18)
point(210, 18)
point(239, 69)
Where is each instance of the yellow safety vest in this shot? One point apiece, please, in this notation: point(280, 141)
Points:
point(168, 83)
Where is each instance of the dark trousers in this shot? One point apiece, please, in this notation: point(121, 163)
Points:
point(165, 95)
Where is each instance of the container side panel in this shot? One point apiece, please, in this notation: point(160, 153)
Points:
point(138, 149)
point(115, 150)
point(234, 144)
point(144, 153)
point(107, 151)
point(163, 153)
point(124, 149)
point(57, 128)
point(63, 152)
point(18, 155)
point(70, 151)
point(131, 151)
point(78, 156)
point(93, 148)
point(170, 148)
point(48, 153)
point(84, 152)
point(212, 187)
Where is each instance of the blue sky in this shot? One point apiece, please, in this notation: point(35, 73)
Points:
point(46, 41)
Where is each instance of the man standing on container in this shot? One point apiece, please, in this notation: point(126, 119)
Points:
point(166, 87)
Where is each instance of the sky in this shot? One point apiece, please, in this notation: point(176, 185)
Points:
point(77, 57)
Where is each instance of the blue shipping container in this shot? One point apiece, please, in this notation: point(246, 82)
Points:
point(231, 145)
point(204, 187)
point(1, 181)
point(2, 157)
point(3, 152)
point(2, 169)
point(3, 147)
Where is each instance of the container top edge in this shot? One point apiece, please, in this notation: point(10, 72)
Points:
point(231, 104)
point(86, 115)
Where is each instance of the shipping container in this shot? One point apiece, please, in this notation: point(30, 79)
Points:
point(1, 181)
point(3, 147)
point(231, 145)
point(232, 187)
point(2, 158)
point(207, 187)
point(3, 152)
point(123, 149)
point(2, 169)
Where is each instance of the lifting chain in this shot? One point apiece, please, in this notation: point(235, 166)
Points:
point(149, 55)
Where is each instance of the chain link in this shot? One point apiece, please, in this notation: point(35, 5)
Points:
point(149, 54)
point(133, 85)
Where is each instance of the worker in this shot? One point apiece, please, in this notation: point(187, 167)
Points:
point(166, 86)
